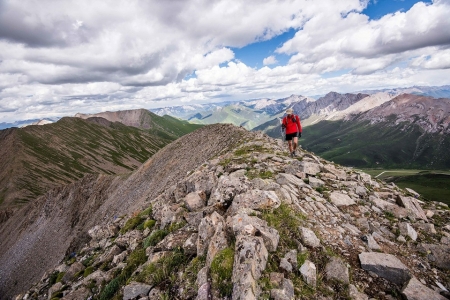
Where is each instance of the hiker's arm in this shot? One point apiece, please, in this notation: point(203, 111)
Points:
point(299, 127)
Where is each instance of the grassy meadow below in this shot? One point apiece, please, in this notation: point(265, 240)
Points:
point(431, 184)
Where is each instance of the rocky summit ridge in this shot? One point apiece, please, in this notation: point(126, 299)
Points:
point(253, 223)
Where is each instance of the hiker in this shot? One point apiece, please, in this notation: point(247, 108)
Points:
point(291, 124)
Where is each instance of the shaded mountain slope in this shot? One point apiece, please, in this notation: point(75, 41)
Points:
point(36, 237)
point(36, 158)
point(364, 145)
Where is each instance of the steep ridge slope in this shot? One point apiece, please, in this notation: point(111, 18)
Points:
point(36, 158)
point(253, 223)
point(431, 114)
point(36, 237)
point(165, 126)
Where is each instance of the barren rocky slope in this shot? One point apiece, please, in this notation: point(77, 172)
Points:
point(433, 115)
point(249, 222)
point(39, 235)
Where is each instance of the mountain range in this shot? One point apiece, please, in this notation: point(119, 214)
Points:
point(395, 128)
point(37, 158)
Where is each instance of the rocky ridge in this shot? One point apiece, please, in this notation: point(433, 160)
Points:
point(253, 223)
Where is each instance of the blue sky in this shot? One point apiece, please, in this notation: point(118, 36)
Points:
point(89, 56)
point(254, 54)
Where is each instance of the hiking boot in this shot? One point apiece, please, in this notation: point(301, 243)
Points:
point(292, 154)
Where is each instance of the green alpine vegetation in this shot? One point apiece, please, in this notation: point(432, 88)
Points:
point(36, 158)
point(383, 145)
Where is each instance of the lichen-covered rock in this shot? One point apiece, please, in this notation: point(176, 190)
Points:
point(242, 224)
point(415, 290)
point(173, 240)
point(255, 199)
point(217, 243)
point(227, 188)
point(75, 268)
point(206, 230)
point(131, 239)
point(437, 254)
point(98, 232)
point(250, 260)
point(193, 201)
point(385, 265)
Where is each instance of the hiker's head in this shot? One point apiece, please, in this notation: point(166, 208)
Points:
point(289, 111)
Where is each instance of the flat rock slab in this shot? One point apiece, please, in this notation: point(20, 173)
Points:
point(415, 290)
point(340, 199)
point(309, 168)
point(337, 269)
point(412, 205)
point(385, 265)
point(286, 179)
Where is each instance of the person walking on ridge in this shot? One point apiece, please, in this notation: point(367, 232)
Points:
point(291, 124)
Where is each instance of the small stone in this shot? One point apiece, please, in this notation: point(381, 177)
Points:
point(415, 290)
point(309, 238)
point(276, 279)
point(385, 265)
point(308, 271)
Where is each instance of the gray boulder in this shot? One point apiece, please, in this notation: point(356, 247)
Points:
point(437, 254)
point(340, 199)
point(412, 205)
point(242, 224)
point(337, 269)
point(193, 201)
point(309, 238)
point(255, 199)
point(250, 260)
point(289, 179)
point(415, 290)
point(309, 273)
point(135, 289)
point(315, 182)
point(75, 268)
point(285, 293)
point(355, 294)
point(206, 230)
point(385, 265)
point(309, 168)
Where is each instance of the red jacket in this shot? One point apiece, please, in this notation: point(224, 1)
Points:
point(292, 124)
